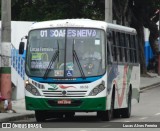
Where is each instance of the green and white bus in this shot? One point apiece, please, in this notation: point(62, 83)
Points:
point(81, 65)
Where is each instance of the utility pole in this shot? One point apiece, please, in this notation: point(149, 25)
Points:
point(5, 69)
point(159, 47)
point(108, 11)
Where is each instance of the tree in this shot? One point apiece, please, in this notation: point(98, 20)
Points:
point(138, 14)
point(39, 10)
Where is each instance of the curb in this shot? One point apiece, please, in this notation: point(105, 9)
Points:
point(18, 117)
point(150, 86)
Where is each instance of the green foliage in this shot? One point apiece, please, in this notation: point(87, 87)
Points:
point(40, 10)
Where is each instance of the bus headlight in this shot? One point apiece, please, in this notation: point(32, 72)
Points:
point(97, 90)
point(32, 90)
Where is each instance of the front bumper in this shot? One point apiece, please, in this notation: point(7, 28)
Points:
point(77, 104)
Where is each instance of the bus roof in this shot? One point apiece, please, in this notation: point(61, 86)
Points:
point(88, 23)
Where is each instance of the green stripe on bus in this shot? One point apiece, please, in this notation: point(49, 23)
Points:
point(5, 70)
point(88, 104)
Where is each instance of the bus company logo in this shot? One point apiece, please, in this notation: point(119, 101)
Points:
point(65, 87)
point(64, 93)
point(55, 87)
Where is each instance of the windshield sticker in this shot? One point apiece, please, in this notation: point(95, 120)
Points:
point(97, 42)
point(69, 73)
point(40, 56)
point(40, 65)
point(72, 33)
point(41, 49)
point(69, 66)
point(58, 73)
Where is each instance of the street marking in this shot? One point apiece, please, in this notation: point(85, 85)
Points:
point(157, 114)
point(143, 118)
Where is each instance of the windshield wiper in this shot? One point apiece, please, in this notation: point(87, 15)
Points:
point(77, 60)
point(79, 64)
point(54, 57)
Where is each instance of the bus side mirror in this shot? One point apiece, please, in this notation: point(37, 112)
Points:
point(21, 48)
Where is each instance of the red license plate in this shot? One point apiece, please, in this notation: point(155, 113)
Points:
point(64, 102)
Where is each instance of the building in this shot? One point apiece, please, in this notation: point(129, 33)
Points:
point(19, 29)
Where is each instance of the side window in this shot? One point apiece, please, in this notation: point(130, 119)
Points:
point(119, 46)
point(123, 47)
point(127, 47)
point(135, 48)
point(130, 49)
point(114, 47)
point(109, 44)
point(122, 43)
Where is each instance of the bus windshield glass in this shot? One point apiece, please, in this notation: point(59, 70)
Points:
point(65, 52)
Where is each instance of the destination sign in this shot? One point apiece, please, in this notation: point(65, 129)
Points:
point(70, 33)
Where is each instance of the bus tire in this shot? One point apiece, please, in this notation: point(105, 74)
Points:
point(40, 116)
point(116, 113)
point(126, 112)
point(104, 115)
point(107, 115)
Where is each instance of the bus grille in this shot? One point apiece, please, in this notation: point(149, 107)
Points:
point(47, 93)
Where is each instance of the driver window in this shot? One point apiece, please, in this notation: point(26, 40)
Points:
point(109, 44)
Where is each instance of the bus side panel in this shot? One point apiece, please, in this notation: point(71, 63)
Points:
point(135, 82)
point(122, 77)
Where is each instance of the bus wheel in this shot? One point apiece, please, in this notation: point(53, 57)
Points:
point(107, 115)
point(126, 112)
point(40, 116)
point(116, 113)
point(104, 115)
point(69, 115)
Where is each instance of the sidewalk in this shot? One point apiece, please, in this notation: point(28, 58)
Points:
point(21, 113)
point(149, 81)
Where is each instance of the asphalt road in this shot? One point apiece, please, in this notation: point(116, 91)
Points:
point(148, 110)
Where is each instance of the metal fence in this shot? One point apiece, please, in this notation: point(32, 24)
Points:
point(17, 61)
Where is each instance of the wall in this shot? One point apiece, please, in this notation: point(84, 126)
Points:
point(19, 29)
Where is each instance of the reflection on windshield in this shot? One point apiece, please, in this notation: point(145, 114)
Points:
point(53, 53)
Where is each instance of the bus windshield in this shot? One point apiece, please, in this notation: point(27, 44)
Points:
point(65, 52)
